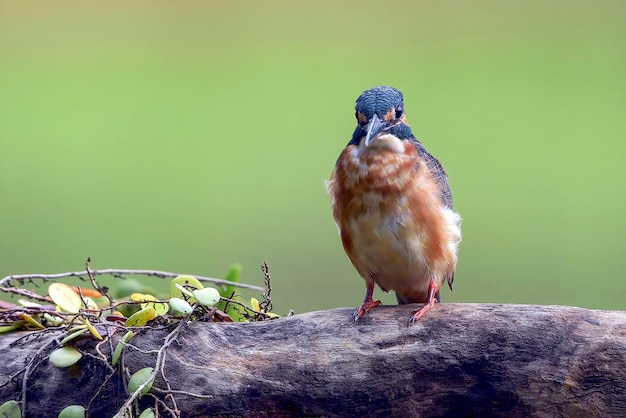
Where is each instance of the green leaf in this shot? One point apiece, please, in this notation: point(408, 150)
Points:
point(120, 346)
point(73, 335)
point(147, 413)
point(232, 275)
point(141, 317)
point(54, 320)
point(63, 295)
point(208, 296)
point(9, 328)
point(184, 291)
point(160, 308)
point(140, 378)
point(10, 409)
point(92, 329)
point(31, 321)
point(184, 281)
point(72, 411)
point(180, 306)
point(65, 356)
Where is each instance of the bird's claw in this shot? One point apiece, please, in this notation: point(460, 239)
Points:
point(420, 312)
point(365, 308)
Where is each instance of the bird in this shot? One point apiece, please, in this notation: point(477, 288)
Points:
point(392, 204)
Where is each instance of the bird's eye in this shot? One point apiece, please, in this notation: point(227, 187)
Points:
point(361, 118)
point(399, 112)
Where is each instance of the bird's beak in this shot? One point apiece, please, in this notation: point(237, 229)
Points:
point(374, 127)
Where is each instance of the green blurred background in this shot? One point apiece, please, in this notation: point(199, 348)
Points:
point(186, 136)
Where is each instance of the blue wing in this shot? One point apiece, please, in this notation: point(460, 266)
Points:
point(438, 171)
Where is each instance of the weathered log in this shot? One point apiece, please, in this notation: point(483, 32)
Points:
point(460, 360)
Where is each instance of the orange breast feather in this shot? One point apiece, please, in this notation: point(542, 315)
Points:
point(393, 225)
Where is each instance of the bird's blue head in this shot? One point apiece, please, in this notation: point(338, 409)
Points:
point(380, 110)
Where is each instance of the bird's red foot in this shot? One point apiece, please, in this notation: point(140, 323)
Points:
point(420, 312)
point(433, 287)
point(368, 304)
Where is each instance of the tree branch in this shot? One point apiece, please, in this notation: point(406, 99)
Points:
point(460, 360)
point(5, 282)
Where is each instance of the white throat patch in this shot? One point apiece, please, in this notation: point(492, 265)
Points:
point(383, 142)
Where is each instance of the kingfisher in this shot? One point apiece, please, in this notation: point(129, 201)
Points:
point(393, 206)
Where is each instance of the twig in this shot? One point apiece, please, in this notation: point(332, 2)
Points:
point(181, 392)
point(29, 368)
point(247, 308)
point(103, 290)
point(25, 292)
point(33, 335)
point(174, 410)
point(169, 339)
point(98, 358)
point(101, 355)
point(31, 311)
point(266, 305)
point(5, 281)
point(13, 376)
point(140, 350)
point(228, 299)
point(158, 402)
point(100, 389)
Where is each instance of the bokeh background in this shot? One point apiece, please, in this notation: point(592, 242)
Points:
point(185, 136)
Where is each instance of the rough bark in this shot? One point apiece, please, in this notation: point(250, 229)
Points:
point(460, 360)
